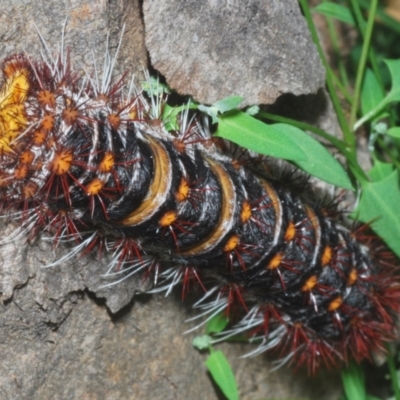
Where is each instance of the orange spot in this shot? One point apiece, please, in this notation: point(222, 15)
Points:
point(236, 164)
point(275, 261)
point(290, 232)
point(62, 162)
point(168, 218)
point(46, 98)
point(246, 212)
point(107, 163)
point(335, 304)
point(94, 187)
point(352, 278)
point(21, 171)
point(310, 283)
point(232, 243)
point(39, 137)
point(70, 115)
point(29, 190)
point(183, 190)
point(114, 120)
point(326, 256)
point(26, 157)
point(179, 145)
point(47, 123)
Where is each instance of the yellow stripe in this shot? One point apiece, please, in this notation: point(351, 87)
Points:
point(159, 188)
point(226, 220)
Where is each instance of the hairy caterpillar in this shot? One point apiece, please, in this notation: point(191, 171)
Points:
point(92, 162)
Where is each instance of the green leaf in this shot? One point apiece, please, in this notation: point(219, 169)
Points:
point(254, 135)
point(380, 170)
point(202, 342)
point(170, 115)
point(336, 11)
point(394, 69)
point(381, 128)
point(394, 132)
point(253, 110)
point(153, 86)
point(371, 92)
point(211, 111)
point(228, 103)
point(379, 205)
point(221, 106)
point(393, 95)
point(353, 380)
point(319, 163)
point(222, 373)
point(217, 324)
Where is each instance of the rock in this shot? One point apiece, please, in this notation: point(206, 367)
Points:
point(213, 49)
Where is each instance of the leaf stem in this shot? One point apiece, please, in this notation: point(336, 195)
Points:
point(361, 24)
point(336, 48)
point(348, 135)
point(363, 60)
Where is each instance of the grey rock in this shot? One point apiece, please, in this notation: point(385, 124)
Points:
point(256, 49)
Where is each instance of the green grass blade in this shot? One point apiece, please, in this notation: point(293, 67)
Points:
point(222, 373)
point(353, 380)
point(336, 11)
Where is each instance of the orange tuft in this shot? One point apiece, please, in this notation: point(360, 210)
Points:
point(39, 137)
point(326, 256)
point(352, 278)
point(290, 232)
point(246, 212)
point(311, 282)
point(21, 171)
point(47, 123)
point(168, 218)
point(62, 162)
point(275, 261)
point(114, 120)
point(231, 244)
point(107, 163)
point(29, 190)
point(335, 304)
point(26, 157)
point(94, 187)
point(46, 99)
point(183, 191)
point(179, 145)
point(70, 115)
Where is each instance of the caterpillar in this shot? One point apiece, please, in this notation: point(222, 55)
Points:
point(92, 161)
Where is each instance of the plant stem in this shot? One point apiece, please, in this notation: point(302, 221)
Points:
point(336, 48)
point(348, 135)
point(363, 61)
point(361, 24)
